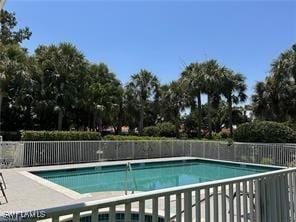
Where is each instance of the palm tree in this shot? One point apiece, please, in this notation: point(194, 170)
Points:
point(193, 82)
point(60, 68)
point(212, 77)
point(274, 99)
point(143, 85)
point(14, 78)
point(104, 92)
point(172, 102)
point(234, 88)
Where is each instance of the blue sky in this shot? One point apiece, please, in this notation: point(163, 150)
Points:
point(163, 36)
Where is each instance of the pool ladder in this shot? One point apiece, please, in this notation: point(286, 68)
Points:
point(127, 170)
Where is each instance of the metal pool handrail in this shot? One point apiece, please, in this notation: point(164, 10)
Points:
point(281, 181)
point(127, 170)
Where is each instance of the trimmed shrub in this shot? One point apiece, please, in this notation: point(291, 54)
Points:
point(151, 131)
point(121, 137)
point(167, 129)
point(291, 124)
point(265, 132)
point(59, 135)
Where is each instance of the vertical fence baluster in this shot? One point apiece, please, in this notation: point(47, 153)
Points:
point(245, 202)
point(285, 196)
point(251, 201)
point(142, 211)
point(207, 205)
point(127, 212)
point(278, 197)
point(291, 197)
point(257, 200)
point(293, 174)
point(231, 203)
point(155, 209)
point(167, 207)
point(273, 201)
point(216, 211)
point(55, 219)
point(238, 202)
point(223, 203)
point(188, 206)
point(76, 217)
point(197, 205)
point(178, 208)
point(112, 213)
point(94, 215)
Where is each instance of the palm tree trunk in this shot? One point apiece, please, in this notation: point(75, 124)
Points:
point(60, 120)
point(229, 100)
point(141, 123)
point(199, 114)
point(177, 125)
point(210, 114)
point(100, 124)
point(94, 120)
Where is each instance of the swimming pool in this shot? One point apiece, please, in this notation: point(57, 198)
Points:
point(149, 175)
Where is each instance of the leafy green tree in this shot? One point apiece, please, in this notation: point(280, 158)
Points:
point(8, 33)
point(143, 86)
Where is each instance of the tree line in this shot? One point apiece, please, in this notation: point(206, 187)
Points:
point(58, 88)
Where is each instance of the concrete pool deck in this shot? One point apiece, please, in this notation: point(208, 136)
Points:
point(27, 192)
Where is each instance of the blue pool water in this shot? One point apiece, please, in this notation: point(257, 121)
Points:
point(148, 176)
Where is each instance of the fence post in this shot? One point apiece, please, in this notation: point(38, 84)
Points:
point(80, 152)
point(218, 151)
point(204, 150)
point(133, 149)
point(234, 152)
point(117, 150)
point(34, 154)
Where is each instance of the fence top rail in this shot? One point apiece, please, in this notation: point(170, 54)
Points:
point(161, 140)
point(85, 206)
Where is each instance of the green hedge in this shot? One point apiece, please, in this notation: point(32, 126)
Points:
point(291, 124)
point(151, 131)
point(265, 132)
point(59, 135)
point(165, 129)
point(121, 137)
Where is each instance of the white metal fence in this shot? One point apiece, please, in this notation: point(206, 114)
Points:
point(11, 154)
point(33, 153)
point(49, 153)
point(267, 197)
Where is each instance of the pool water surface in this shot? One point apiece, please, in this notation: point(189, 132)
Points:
point(148, 176)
